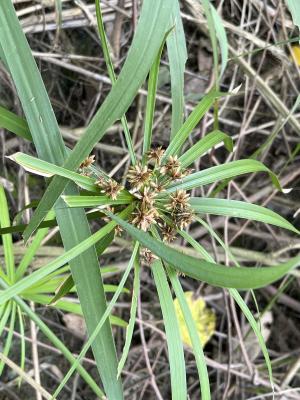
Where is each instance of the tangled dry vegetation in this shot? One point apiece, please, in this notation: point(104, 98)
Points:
point(258, 119)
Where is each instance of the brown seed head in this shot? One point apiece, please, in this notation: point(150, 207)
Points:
point(118, 230)
point(168, 232)
point(157, 186)
point(171, 165)
point(138, 175)
point(183, 219)
point(156, 154)
point(176, 173)
point(179, 200)
point(144, 218)
point(110, 187)
point(148, 256)
point(147, 196)
point(87, 162)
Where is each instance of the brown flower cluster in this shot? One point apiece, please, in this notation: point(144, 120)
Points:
point(85, 165)
point(148, 183)
point(109, 187)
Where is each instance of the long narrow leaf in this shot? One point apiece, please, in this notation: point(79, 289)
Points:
point(191, 122)
point(69, 255)
point(193, 333)
point(32, 249)
point(214, 274)
point(7, 239)
point(9, 338)
point(112, 75)
point(96, 201)
point(133, 309)
point(205, 144)
point(151, 99)
point(234, 293)
point(174, 342)
point(220, 172)
point(239, 209)
point(14, 124)
point(177, 55)
point(222, 38)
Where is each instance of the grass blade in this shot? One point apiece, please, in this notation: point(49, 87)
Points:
point(133, 309)
point(14, 124)
point(113, 78)
point(31, 250)
point(245, 309)
point(73, 224)
point(7, 239)
point(256, 329)
point(177, 55)
point(214, 274)
point(234, 293)
point(239, 209)
point(197, 347)
point(222, 38)
point(190, 123)
point(46, 169)
point(151, 99)
point(174, 342)
point(8, 342)
point(205, 144)
point(220, 172)
point(96, 201)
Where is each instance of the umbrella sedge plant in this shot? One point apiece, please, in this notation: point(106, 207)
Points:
point(154, 207)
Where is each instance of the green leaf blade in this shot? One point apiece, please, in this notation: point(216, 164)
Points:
point(221, 172)
point(215, 274)
point(174, 342)
point(239, 209)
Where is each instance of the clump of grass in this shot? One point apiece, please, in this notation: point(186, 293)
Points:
point(154, 206)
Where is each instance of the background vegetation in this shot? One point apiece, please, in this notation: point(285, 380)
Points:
point(260, 117)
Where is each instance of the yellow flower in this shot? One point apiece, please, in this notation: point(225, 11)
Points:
point(296, 53)
point(205, 319)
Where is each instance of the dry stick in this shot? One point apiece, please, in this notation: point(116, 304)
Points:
point(71, 17)
point(134, 14)
point(117, 31)
point(285, 181)
point(26, 378)
point(229, 341)
point(35, 354)
point(148, 364)
point(147, 383)
point(268, 94)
